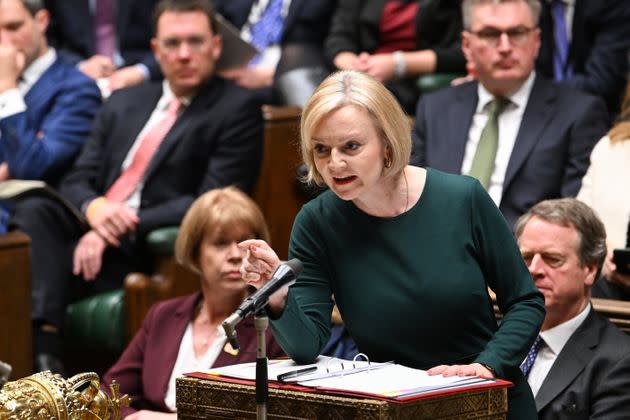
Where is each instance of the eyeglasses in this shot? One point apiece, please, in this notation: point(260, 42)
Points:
point(195, 44)
point(492, 36)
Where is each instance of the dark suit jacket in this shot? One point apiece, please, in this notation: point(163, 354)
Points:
point(590, 379)
point(145, 366)
point(356, 24)
point(71, 31)
point(43, 141)
point(551, 153)
point(307, 21)
point(599, 47)
point(216, 141)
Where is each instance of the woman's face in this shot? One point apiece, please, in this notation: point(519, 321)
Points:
point(220, 258)
point(348, 152)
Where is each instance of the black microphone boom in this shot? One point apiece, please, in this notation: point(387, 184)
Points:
point(286, 273)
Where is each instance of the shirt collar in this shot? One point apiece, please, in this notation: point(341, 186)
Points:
point(168, 95)
point(558, 336)
point(518, 98)
point(34, 71)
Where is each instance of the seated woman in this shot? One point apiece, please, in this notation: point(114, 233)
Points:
point(395, 41)
point(185, 334)
point(602, 189)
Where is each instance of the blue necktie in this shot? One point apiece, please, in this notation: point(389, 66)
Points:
point(527, 364)
point(561, 69)
point(268, 30)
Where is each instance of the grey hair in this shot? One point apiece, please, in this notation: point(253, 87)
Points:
point(569, 212)
point(468, 5)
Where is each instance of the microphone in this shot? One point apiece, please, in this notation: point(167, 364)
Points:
point(285, 274)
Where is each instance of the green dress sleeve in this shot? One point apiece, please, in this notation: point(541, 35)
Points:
point(303, 328)
point(507, 275)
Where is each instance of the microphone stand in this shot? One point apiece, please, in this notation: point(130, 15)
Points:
point(261, 322)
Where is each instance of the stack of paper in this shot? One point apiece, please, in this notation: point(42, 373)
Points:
point(387, 380)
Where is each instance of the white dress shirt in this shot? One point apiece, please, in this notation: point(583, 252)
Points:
point(509, 124)
point(554, 340)
point(188, 362)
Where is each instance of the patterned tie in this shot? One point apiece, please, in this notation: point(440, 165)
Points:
point(483, 162)
point(561, 42)
point(105, 27)
point(268, 29)
point(128, 180)
point(527, 364)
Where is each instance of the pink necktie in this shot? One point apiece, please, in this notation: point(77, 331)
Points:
point(105, 28)
point(128, 181)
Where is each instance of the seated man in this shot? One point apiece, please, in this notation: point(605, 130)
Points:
point(579, 365)
point(107, 39)
point(153, 149)
point(271, 25)
point(585, 44)
point(525, 138)
point(46, 105)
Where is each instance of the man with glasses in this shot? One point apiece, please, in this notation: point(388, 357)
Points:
point(525, 138)
point(153, 149)
point(579, 366)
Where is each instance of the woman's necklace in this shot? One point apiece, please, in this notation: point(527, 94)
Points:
point(203, 320)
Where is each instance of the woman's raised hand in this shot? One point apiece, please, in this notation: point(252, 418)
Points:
point(259, 263)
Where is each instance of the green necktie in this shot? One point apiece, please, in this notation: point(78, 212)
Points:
point(483, 162)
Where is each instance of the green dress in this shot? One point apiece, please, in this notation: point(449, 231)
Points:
point(413, 288)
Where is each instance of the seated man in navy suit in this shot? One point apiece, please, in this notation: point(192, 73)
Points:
point(579, 366)
point(153, 149)
point(525, 138)
point(593, 53)
point(276, 27)
point(46, 105)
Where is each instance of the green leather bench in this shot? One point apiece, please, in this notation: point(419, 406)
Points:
point(99, 322)
point(431, 82)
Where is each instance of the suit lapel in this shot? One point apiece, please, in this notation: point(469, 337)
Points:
point(538, 113)
point(123, 8)
point(461, 114)
point(193, 111)
point(294, 11)
point(170, 346)
point(577, 31)
point(44, 85)
point(134, 117)
point(571, 361)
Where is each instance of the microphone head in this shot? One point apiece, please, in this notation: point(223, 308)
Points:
point(295, 265)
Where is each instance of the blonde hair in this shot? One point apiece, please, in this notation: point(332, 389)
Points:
point(217, 210)
point(350, 87)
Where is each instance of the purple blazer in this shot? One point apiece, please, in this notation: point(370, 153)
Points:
point(145, 366)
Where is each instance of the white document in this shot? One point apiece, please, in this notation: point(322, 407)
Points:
point(382, 379)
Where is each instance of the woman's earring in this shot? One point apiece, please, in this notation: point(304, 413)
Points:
point(388, 162)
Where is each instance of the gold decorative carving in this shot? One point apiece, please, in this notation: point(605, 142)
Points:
point(48, 396)
point(209, 399)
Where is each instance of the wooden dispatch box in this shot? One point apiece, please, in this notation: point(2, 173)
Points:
point(214, 399)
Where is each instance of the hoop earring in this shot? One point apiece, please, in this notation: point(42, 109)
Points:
point(387, 162)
